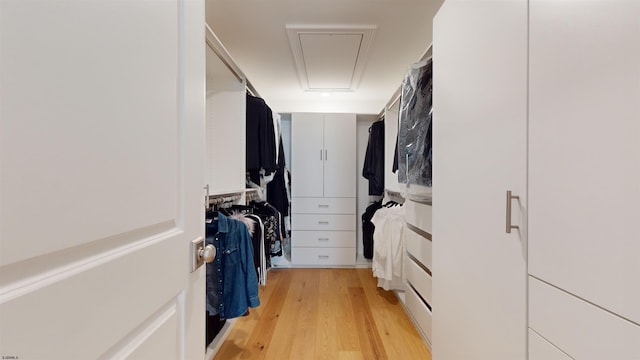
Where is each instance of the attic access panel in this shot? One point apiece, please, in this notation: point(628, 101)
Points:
point(330, 58)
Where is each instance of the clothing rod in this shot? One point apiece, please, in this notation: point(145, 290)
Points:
point(428, 53)
point(214, 43)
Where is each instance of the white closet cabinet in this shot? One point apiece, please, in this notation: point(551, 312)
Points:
point(323, 187)
point(561, 99)
point(323, 155)
point(225, 129)
point(479, 147)
point(584, 176)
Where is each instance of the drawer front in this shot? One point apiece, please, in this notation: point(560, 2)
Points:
point(323, 256)
point(419, 247)
point(541, 349)
point(323, 222)
point(578, 328)
point(420, 313)
point(317, 238)
point(419, 279)
point(323, 206)
point(419, 215)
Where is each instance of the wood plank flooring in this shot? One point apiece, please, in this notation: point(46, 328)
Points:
point(324, 314)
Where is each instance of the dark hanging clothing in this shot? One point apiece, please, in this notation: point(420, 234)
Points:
point(277, 188)
point(368, 228)
point(261, 139)
point(373, 169)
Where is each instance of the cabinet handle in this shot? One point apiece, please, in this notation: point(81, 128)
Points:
point(323, 239)
point(320, 154)
point(323, 206)
point(323, 222)
point(509, 199)
point(323, 256)
point(325, 155)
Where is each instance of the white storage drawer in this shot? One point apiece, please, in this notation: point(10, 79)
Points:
point(419, 279)
point(318, 238)
point(419, 247)
point(419, 215)
point(323, 206)
point(323, 222)
point(323, 256)
point(578, 328)
point(420, 312)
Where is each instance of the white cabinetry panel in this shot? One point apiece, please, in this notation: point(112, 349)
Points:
point(307, 154)
point(323, 222)
point(318, 238)
point(585, 150)
point(419, 215)
point(323, 256)
point(580, 329)
point(418, 247)
point(340, 161)
point(480, 133)
point(541, 349)
point(325, 205)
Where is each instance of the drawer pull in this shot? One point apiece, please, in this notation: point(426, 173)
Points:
point(323, 222)
point(323, 206)
point(323, 256)
point(323, 239)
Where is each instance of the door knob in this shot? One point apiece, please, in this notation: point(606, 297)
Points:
point(208, 253)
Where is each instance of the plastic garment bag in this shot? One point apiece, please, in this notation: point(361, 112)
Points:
point(414, 130)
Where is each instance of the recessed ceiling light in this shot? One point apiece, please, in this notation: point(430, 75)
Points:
point(325, 94)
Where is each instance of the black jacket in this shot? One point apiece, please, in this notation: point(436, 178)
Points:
point(373, 168)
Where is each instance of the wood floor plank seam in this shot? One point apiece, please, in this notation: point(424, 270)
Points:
point(324, 314)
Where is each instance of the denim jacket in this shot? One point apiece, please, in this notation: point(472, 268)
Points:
point(232, 284)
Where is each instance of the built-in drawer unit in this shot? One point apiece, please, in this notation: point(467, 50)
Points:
point(419, 279)
point(418, 246)
point(419, 215)
point(318, 238)
point(578, 328)
point(323, 222)
point(323, 256)
point(323, 206)
point(420, 313)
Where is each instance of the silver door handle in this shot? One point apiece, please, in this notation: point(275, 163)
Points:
point(325, 155)
point(323, 256)
point(323, 222)
point(208, 253)
point(509, 199)
point(323, 206)
point(320, 154)
point(323, 239)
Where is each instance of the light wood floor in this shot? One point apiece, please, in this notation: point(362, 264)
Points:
point(308, 314)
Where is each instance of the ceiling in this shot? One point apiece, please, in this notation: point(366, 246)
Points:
point(330, 36)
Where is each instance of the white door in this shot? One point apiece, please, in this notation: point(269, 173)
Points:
point(101, 140)
point(480, 137)
point(307, 155)
point(585, 151)
point(340, 171)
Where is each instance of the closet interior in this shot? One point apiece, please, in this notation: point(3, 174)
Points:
point(420, 188)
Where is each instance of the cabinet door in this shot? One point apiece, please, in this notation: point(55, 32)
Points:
point(307, 154)
point(340, 155)
point(584, 157)
point(479, 132)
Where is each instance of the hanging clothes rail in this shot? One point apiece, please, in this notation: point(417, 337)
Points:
point(214, 43)
point(396, 95)
point(395, 196)
point(223, 199)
